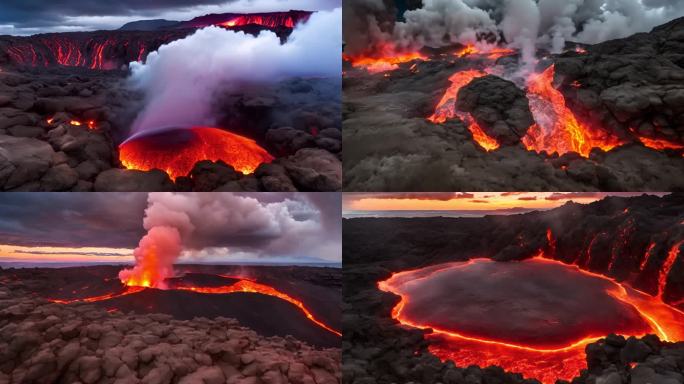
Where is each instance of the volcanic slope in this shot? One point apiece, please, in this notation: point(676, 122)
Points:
point(634, 242)
point(44, 342)
point(625, 95)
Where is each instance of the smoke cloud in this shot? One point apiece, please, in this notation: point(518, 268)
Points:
point(182, 77)
point(522, 24)
point(179, 224)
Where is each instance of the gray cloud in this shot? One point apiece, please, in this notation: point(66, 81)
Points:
point(261, 224)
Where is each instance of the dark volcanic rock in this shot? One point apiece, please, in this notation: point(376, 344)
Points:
point(22, 160)
point(315, 170)
point(126, 180)
point(207, 175)
point(498, 106)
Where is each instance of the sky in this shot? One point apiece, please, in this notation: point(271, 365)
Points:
point(295, 228)
point(28, 17)
point(483, 202)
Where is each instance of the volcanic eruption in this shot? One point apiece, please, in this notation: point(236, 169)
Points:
point(176, 151)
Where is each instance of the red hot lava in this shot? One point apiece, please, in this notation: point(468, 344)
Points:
point(243, 285)
point(557, 129)
point(562, 359)
point(176, 151)
point(446, 109)
point(385, 57)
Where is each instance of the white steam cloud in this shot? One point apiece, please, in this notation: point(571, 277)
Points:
point(180, 79)
point(522, 24)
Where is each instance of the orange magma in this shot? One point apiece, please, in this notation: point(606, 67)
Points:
point(557, 129)
point(199, 143)
point(546, 364)
point(489, 53)
point(385, 57)
point(446, 109)
point(243, 285)
point(659, 144)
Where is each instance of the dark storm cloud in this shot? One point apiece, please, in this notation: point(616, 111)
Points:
point(72, 219)
point(262, 224)
point(39, 16)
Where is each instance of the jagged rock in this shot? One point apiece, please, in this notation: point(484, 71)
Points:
point(207, 175)
point(22, 160)
point(314, 170)
point(126, 180)
point(274, 178)
point(59, 178)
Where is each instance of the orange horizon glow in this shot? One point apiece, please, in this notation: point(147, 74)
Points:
point(14, 253)
point(475, 201)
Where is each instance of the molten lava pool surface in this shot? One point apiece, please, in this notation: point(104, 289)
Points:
point(534, 317)
point(176, 151)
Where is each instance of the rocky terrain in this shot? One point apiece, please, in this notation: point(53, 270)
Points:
point(631, 88)
point(377, 349)
point(60, 129)
point(45, 342)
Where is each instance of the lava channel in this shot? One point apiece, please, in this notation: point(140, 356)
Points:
point(241, 286)
point(557, 129)
point(177, 150)
point(548, 319)
point(446, 109)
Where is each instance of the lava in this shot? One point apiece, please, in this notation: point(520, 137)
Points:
point(287, 19)
point(385, 63)
point(659, 144)
point(544, 362)
point(243, 285)
point(667, 267)
point(557, 129)
point(177, 151)
point(488, 53)
point(446, 109)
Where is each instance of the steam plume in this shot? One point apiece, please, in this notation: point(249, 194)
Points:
point(195, 224)
point(522, 24)
point(180, 79)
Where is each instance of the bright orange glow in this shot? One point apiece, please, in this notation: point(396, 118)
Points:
point(385, 63)
point(544, 363)
point(263, 20)
point(489, 53)
point(241, 286)
point(557, 130)
point(75, 122)
point(50, 120)
point(446, 108)
point(659, 144)
point(199, 143)
point(91, 124)
point(667, 267)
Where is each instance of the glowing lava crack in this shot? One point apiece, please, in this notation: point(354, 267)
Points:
point(241, 286)
point(176, 151)
point(531, 317)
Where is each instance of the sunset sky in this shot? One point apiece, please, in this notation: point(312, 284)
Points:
point(289, 228)
point(511, 202)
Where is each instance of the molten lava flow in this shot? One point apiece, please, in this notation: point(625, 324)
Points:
point(659, 144)
point(557, 130)
point(446, 109)
point(176, 152)
point(546, 363)
point(264, 21)
point(383, 64)
point(488, 53)
point(243, 285)
point(129, 290)
point(667, 267)
point(254, 287)
point(647, 256)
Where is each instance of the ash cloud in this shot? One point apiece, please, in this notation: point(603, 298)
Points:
point(523, 24)
point(182, 78)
